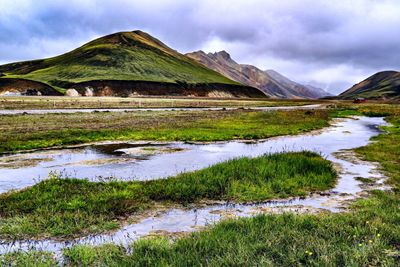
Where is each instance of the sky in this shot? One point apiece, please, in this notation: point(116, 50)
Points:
point(330, 44)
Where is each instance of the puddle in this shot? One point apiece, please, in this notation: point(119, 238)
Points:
point(48, 111)
point(333, 143)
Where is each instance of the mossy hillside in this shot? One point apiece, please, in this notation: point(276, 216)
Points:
point(120, 56)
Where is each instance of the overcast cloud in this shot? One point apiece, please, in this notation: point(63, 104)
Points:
point(332, 44)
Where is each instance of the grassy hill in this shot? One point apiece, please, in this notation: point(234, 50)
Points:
point(124, 56)
point(382, 85)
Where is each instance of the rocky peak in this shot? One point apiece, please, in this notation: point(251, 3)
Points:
point(225, 55)
point(221, 54)
point(200, 52)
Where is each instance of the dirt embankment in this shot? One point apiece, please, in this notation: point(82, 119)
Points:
point(145, 88)
point(15, 87)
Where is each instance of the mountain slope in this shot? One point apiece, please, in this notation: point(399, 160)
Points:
point(381, 85)
point(296, 89)
point(127, 56)
point(270, 82)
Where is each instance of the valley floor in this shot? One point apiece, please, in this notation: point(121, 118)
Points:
point(368, 234)
point(60, 102)
point(24, 132)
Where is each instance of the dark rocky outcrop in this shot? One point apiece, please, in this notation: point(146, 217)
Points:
point(145, 88)
point(11, 86)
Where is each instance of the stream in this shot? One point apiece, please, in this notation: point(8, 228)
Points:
point(153, 160)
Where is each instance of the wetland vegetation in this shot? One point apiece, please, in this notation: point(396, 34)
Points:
point(69, 207)
point(24, 132)
point(368, 234)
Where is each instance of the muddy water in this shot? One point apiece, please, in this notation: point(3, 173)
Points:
point(48, 111)
point(331, 143)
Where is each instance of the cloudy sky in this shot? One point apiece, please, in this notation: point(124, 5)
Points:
point(332, 44)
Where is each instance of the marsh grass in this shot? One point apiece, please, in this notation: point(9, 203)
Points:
point(265, 240)
point(40, 131)
point(367, 235)
point(70, 207)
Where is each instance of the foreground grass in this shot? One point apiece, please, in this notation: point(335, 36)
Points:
point(367, 235)
point(358, 239)
point(68, 207)
point(39, 131)
point(29, 259)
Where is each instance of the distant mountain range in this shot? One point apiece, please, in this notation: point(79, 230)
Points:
point(120, 64)
point(137, 64)
point(269, 81)
point(382, 85)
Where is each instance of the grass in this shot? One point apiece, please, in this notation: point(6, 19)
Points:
point(30, 259)
point(364, 180)
point(70, 207)
point(266, 240)
point(367, 235)
point(26, 132)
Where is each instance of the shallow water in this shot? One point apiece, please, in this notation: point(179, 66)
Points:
point(91, 161)
point(343, 135)
point(89, 110)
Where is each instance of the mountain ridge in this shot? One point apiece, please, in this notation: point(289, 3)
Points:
point(270, 82)
point(381, 85)
point(128, 56)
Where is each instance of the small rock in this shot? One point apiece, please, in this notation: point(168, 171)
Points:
point(72, 92)
point(89, 91)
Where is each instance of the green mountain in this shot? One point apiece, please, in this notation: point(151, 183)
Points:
point(382, 85)
point(127, 63)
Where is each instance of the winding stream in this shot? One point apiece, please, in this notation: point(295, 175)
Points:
point(144, 161)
